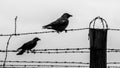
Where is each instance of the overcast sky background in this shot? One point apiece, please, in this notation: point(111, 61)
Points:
point(33, 14)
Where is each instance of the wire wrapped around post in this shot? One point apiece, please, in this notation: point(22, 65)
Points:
point(103, 21)
point(98, 44)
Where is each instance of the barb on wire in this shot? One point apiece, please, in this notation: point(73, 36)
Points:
point(45, 66)
point(57, 62)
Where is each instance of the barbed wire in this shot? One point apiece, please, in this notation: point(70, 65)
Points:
point(17, 34)
point(77, 29)
point(63, 50)
point(45, 66)
point(113, 66)
point(49, 52)
point(113, 29)
point(57, 62)
point(57, 49)
point(8, 50)
point(113, 50)
point(36, 66)
point(60, 52)
point(113, 63)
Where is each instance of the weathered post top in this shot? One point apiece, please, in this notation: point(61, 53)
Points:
point(98, 44)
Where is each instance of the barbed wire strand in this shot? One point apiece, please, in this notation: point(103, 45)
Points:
point(113, 50)
point(43, 51)
point(57, 49)
point(113, 63)
point(17, 34)
point(58, 62)
point(6, 51)
point(35, 66)
point(77, 49)
point(63, 49)
point(25, 66)
point(46, 66)
point(113, 29)
point(113, 66)
point(49, 52)
point(61, 52)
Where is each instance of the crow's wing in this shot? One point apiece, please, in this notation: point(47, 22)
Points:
point(57, 23)
point(27, 45)
point(21, 52)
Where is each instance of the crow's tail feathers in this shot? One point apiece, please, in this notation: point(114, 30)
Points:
point(18, 49)
point(21, 52)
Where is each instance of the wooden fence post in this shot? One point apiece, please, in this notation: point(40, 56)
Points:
point(98, 47)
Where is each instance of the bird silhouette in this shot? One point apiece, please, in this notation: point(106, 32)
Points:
point(28, 46)
point(60, 24)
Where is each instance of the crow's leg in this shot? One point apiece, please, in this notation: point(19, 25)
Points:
point(33, 51)
point(27, 51)
point(65, 31)
point(58, 32)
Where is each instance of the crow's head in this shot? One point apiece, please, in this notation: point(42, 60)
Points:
point(36, 39)
point(66, 15)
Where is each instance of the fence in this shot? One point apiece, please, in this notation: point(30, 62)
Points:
point(52, 51)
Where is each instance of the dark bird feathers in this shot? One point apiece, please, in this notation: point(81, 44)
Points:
point(60, 24)
point(27, 46)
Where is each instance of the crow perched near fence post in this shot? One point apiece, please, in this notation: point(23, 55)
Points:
point(60, 24)
point(28, 46)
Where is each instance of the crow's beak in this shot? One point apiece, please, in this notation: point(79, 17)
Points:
point(39, 39)
point(70, 15)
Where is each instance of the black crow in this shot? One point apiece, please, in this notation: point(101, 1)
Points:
point(28, 46)
point(60, 24)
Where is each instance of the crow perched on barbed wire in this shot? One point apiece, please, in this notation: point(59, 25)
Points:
point(60, 24)
point(28, 46)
